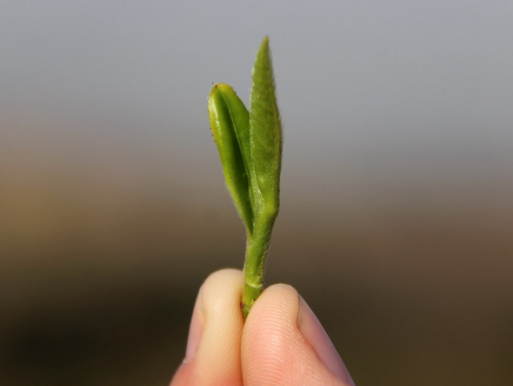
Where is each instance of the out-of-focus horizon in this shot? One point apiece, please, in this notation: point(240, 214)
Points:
point(397, 212)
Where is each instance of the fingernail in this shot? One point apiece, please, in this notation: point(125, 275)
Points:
point(195, 331)
point(315, 335)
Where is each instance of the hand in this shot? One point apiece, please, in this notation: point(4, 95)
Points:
point(281, 343)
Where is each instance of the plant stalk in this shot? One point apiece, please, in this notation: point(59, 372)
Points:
point(257, 247)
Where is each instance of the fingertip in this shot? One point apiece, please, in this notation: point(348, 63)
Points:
point(278, 303)
point(213, 347)
point(267, 359)
point(218, 300)
point(276, 350)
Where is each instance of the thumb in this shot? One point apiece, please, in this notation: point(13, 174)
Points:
point(213, 348)
point(283, 343)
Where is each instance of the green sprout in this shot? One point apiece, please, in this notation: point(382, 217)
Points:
point(250, 146)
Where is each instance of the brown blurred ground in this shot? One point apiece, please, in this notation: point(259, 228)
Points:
point(103, 247)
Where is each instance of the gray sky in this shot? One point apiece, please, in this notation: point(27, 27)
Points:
point(371, 91)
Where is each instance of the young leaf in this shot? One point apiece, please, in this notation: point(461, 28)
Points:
point(229, 122)
point(265, 129)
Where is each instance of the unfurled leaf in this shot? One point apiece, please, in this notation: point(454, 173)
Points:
point(229, 122)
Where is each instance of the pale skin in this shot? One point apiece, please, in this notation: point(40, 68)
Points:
point(280, 343)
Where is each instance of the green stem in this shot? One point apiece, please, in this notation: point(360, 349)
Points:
point(254, 266)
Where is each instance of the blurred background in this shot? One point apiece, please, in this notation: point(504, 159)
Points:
point(397, 212)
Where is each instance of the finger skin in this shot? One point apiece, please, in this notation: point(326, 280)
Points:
point(275, 352)
point(281, 343)
point(213, 349)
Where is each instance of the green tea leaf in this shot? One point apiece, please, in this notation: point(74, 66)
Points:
point(250, 146)
point(229, 122)
point(265, 129)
